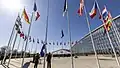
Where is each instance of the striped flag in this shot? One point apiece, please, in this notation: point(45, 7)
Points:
point(37, 14)
point(18, 20)
point(93, 11)
point(24, 14)
point(104, 13)
point(107, 18)
point(80, 10)
point(109, 21)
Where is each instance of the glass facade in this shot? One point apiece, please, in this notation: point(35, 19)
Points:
point(101, 41)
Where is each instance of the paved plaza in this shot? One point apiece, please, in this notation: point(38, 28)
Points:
point(80, 62)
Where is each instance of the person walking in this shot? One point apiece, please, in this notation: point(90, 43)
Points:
point(49, 56)
point(36, 60)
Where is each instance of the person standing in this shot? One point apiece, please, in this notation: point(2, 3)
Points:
point(36, 60)
point(49, 56)
point(33, 58)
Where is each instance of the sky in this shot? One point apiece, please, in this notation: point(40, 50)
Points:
point(9, 10)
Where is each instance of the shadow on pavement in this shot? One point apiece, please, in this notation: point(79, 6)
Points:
point(26, 65)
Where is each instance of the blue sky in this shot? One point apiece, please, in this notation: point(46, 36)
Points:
point(56, 20)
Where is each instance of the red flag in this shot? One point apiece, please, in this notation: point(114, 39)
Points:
point(37, 16)
point(80, 10)
point(93, 11)
point(22, 34)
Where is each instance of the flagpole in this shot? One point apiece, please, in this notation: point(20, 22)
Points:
point(12, 49)
point(69, 31)
point(22, 49)
point(18, 47)
point(27, 39)
point(9, 42)
point(96, 56)
point(32, 48)
point(117, 61)
point(46, 34)
point(35, 49)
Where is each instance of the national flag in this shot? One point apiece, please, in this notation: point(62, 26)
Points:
point(64, 43)
point(72, 43)
point(62, 34)
point(104, 13)
point(60, 43)
point(57, 43)
point(106, 16)
point(16, 26)
point(18, 31)
point(25, 38)
point(24, 14)
point(65, 8)
point(30, 39)
point(37, 16)
point(108, 22)
point(42, 53)
point(22, 35)
point(35, 7)
point(38, 41)
point(19, 21)
point(33, 40)
point(49, 43)
point(93, 11)
point(53, 43)
point(80, 10)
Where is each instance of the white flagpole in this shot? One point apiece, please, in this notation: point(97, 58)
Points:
point(36, 48)
point(69, 32)
point(46, 34)
point(96, 56)
point(18, 47)
point(9, 42)
point(27, 39)
point(117, 61)
point(32, 48)
point(22, 49)
point(12, 49)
